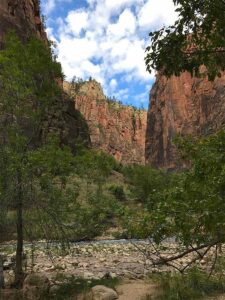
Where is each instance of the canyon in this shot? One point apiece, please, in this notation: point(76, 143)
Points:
point(82, 115)
point(178, 105)
point(181, 105)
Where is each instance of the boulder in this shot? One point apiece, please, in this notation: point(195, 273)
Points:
point(36, 286)
point(101, 292)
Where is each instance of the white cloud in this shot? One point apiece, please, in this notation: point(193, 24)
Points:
point(113, 85)
point(76, 50)
point(122, 94)
point(156, 13)
point(77, 21)
point(125, 26)
point(107, 40)
point(48, 6)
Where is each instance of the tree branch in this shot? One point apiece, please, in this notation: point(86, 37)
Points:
point(196, 52)
point(164, 260)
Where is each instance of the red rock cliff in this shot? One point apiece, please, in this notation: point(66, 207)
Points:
point(23, 16)
point(183, 105)
point(114, 128)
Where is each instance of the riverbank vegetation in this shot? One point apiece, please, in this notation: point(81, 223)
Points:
point(195, 284)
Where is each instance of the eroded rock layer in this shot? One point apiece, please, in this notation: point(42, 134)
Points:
point(181, 105)
point(114, 128)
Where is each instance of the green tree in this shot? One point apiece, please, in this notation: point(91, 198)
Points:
point(95, 166)
point(197, 38)
point(146, 183)
point(192, 208)
point(34, 166)
point(98, 207)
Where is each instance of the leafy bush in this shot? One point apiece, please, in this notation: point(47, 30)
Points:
point(145, 183)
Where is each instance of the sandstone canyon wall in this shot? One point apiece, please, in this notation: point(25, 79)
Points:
point(181, 105)
point(114, 128)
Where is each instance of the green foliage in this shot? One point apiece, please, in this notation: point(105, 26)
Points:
point(118, 192)
point(191, 207)
point(38, 173)
point(193, 285)
point(148, 188)
point(34, 165)
point(145, 183)
point(75, 85)
point(47, 212)
point(202, 190)
point(95, 166)
point(197, 38)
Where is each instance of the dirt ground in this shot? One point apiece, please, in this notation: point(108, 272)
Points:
point(136, 290)
point(140, 289)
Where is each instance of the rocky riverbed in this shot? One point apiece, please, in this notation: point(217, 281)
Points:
point(91, 260)
point(126, 260)
point(94, 260)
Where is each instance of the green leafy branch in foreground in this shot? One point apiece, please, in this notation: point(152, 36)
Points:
point(197, 38)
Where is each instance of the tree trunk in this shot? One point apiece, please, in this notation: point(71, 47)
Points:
point(19, 248)
point(2, 282)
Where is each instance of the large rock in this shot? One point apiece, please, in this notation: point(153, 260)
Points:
point(181, 105)
point(117, 129)
point(36, 286)
point(100, 292)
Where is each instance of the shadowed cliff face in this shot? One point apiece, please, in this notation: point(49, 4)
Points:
point(181, 105)
point(114, 128)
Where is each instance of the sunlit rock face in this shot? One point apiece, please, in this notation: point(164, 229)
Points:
point(181, 105)
point(23, 16)
point(114, 128)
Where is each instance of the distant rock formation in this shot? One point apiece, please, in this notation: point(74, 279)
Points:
point(181, 105)
point(117, 129)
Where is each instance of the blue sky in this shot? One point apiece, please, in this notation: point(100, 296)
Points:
point(106, 39)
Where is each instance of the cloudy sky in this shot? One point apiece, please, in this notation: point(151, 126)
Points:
point(106, 39)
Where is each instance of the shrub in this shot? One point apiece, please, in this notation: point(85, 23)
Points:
point(118, 192)
point(195, 284)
